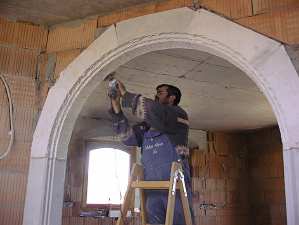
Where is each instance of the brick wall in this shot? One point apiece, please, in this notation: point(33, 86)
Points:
point(220, 177)
point(239, 173)
point(20, 47)
point(31, 67)
point(266, 178)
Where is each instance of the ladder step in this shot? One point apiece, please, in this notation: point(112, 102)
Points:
point(151, 184)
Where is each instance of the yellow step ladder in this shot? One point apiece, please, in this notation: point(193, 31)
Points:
point(176, 182)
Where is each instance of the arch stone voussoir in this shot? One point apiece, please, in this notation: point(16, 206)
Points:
point(265, 61)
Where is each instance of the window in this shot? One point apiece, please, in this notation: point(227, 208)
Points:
point(108, 173)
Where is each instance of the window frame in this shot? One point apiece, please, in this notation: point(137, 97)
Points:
point(90, 145)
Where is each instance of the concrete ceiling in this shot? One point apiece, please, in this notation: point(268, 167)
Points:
point(216, 94)
point(51, 12)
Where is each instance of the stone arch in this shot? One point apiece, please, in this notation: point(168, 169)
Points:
point(265, 61)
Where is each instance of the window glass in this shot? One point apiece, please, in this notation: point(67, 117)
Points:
point(108, 173)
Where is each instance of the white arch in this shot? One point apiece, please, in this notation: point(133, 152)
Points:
point(262, 59)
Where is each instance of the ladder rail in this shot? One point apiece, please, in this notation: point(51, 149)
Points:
point(136, 181)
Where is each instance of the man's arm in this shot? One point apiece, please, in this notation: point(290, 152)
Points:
point(165, 118)
point(129, 136)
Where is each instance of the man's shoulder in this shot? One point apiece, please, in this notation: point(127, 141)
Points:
point(180, 111)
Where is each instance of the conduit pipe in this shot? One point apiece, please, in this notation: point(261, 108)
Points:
point(12, 131)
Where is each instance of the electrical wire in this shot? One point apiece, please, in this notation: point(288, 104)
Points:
point(12, 131)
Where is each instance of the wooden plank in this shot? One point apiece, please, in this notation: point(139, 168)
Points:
point(151, 184)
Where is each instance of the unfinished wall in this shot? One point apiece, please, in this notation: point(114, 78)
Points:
point(31, 68)
point(220, 177)
point(244, 171)
point(20, 48)
point(266, 178)
point(273, 18)
point(75, 189)
point(239, 173)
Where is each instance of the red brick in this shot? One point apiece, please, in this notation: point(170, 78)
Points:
point(280, 24)
point(233, 198)
point(275, 197)
point(220, 184)
point(225, 220)
point(256, 197)
point(234, 173)
point(273, 184)
point(217, 197)
point(211, 184)
point(207, 220)
point(216, 171)
point(278, 210)
point(210, 212)
point(262, 6)
point(232, 184)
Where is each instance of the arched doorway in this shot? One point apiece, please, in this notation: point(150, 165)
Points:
point(263, 60)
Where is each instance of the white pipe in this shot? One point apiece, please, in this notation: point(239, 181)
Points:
point(12, 131)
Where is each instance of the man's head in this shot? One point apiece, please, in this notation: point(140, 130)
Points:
point(168, 94)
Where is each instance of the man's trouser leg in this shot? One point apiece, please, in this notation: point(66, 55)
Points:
point(155, 209)
point(156, 206)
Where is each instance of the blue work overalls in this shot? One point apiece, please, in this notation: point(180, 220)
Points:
point(158, 153)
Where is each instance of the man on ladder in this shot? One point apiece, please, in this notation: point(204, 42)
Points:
point(162, 136)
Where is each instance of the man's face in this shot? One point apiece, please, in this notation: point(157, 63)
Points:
point(162, 96)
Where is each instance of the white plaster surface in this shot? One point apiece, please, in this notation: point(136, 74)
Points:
point(291, 168)
point(202, 31)
point(281, 84)
point(36, 189)
point(252, 46)
point(216, 94)
point(198, 138)
point(162, 22)
point(57, 193)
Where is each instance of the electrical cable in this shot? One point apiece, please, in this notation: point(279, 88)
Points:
point(12, 131)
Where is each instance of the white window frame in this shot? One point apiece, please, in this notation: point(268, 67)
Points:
point(92, 145)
